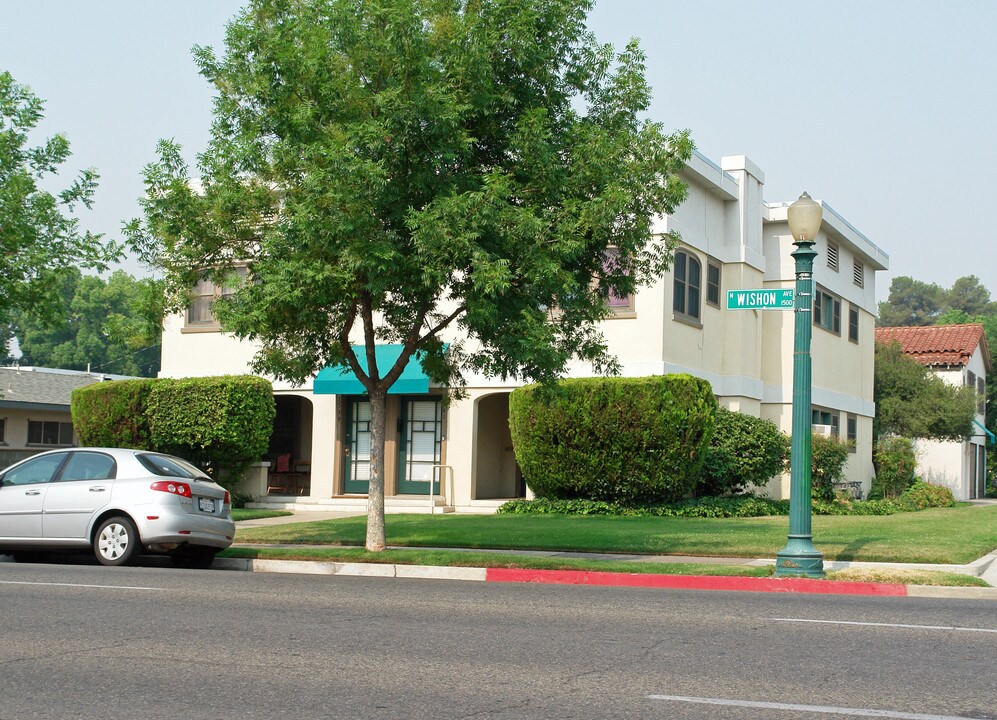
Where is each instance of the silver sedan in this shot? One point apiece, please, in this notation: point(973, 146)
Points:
point(118, 502)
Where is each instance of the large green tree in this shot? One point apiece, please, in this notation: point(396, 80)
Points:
point(40, 238)
point(911, 302)
point(112, 326)
point(911, 401)
point(409, 171)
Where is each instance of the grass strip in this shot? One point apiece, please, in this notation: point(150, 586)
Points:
point(239, 514)
point(956, 535)
point(457, 558)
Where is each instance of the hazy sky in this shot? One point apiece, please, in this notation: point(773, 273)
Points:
point(885, 110)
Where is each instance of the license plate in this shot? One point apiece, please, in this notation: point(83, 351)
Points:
point(206, 505)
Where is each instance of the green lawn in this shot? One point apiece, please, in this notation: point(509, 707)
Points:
point(253, 514)
point(943, 535)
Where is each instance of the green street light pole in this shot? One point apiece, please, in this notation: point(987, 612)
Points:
point(800, 557)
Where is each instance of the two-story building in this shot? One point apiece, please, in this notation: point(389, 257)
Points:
point(731, 239)
point(960, 356)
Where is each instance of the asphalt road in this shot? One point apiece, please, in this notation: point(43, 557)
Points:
point(83, 641)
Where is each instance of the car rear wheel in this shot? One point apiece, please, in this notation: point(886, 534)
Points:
point(194, 556)
point(116, 542)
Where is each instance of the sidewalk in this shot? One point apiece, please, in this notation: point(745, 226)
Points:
point(985, 568)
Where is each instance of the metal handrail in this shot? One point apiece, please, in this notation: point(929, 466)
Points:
point(443, 493)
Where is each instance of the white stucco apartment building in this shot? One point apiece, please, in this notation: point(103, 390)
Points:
point(732, 239)
point(960, 356)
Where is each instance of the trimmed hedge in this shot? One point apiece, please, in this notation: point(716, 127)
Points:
point(627, 440)
point(745, 451)
point(919, 496)
point(112, 414)
point(222, 424)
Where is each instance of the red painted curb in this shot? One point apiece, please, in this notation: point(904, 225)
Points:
point(696, 582)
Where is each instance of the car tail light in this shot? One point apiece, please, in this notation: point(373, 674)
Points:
point(228, 499)
point(174, 488)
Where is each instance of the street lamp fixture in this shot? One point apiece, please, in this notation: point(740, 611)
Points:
point(800, 557)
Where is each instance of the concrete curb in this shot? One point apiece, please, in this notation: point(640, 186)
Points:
point(605, 579)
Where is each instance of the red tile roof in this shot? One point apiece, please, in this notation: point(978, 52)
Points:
point(938, 344)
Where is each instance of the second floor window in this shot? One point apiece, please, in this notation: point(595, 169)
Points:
point(610, 264)
point(827, 311)
point(199, 312)
point(713, 273)
point(687, 285)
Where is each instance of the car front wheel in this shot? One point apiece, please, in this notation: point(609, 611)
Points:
point(116, 542)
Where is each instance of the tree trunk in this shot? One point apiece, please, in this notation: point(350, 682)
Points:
point(375, 492)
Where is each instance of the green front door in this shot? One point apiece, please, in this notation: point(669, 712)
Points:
point(356, 469)
point(422, 442)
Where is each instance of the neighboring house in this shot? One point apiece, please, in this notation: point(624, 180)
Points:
point(34, 409)
point(732, 239)
point(959, 355)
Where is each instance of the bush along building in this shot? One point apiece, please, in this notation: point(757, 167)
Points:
point(732, 239)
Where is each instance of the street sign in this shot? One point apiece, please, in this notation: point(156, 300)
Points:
point(776, 299)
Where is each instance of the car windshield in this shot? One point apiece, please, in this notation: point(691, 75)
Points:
point(169, 466)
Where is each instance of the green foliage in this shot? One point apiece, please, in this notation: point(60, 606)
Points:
point(396, 169)
point(896, 463)
point(922, 495)
point(112, 326)
point(112, 414)
point(622, 440)
point(911, 302)
point(745, 451)
point(911, 401)
point(827, 466)
point(221, 423)
point(40, 240)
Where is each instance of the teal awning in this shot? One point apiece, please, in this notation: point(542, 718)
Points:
point(340, 380)
point(990, 435)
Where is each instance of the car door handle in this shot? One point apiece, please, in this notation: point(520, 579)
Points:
point(98, 488)
point(32, 492)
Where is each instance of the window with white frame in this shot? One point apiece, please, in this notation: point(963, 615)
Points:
point(852, 430)
point(981, 396)
point(687, 286)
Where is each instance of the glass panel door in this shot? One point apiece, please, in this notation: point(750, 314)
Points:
point(423, 423)
point(357, 466)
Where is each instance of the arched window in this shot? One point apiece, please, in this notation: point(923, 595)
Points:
point(688, 280)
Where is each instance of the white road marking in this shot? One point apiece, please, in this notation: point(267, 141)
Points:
point(78, 585)
point(860, 712)
point(887, 625)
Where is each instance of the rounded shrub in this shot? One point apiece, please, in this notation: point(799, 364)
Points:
point(626, 440)
point(896, 464)
point(921, 495)
point(745, 451)
point(827, 465)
